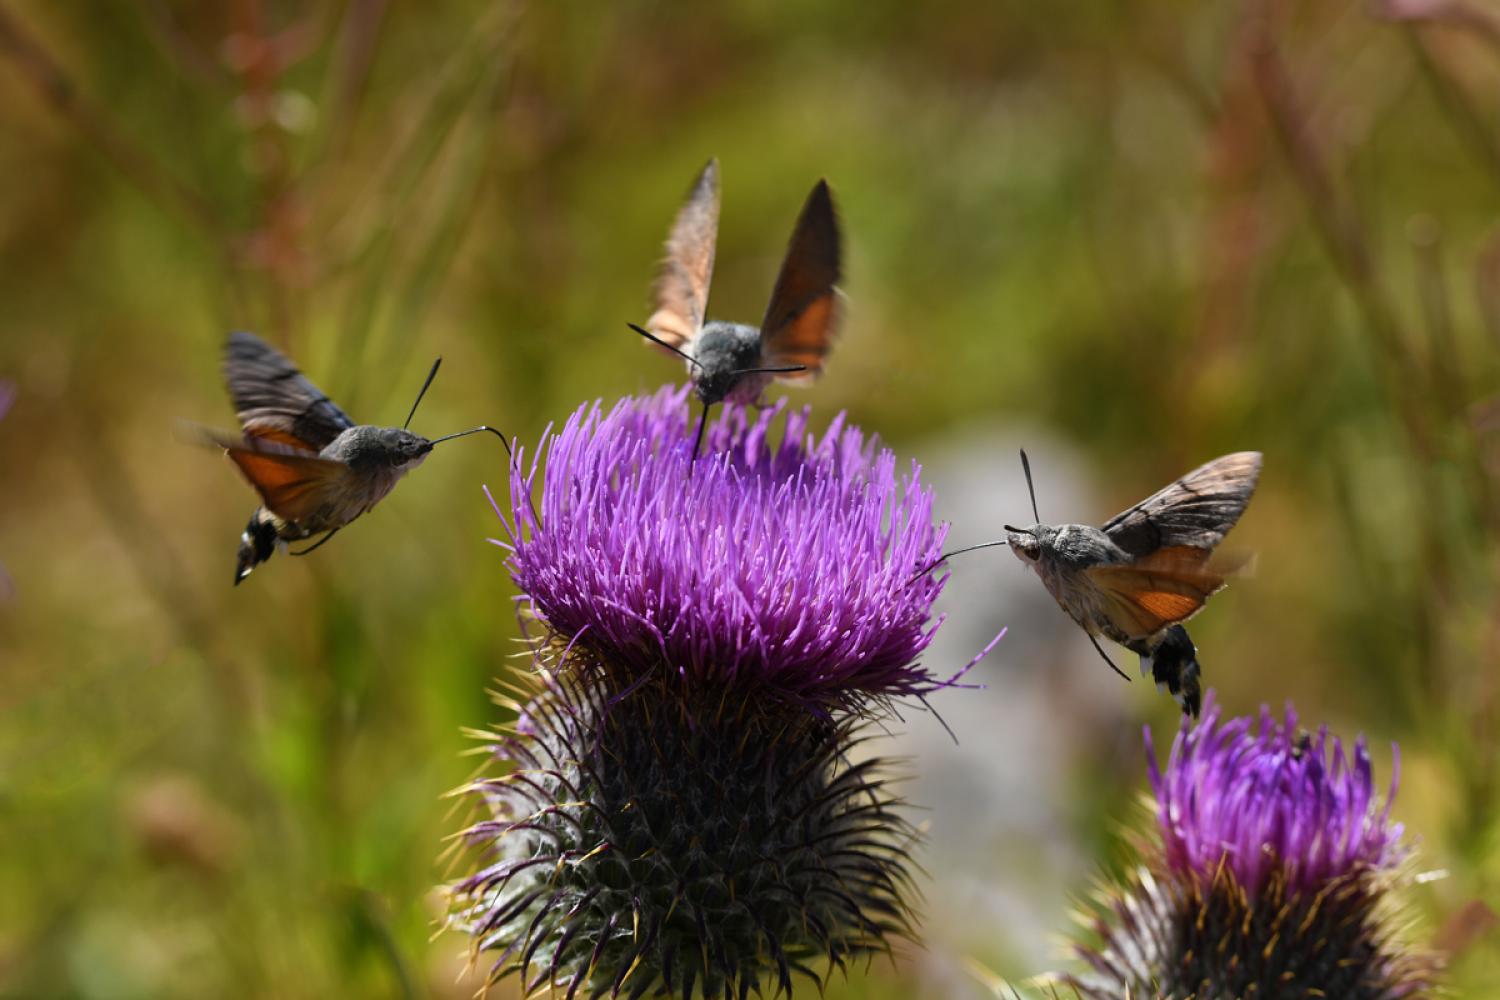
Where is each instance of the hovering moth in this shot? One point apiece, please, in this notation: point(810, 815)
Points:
point(734, 361)
point(314, 468)
point(1145, 571)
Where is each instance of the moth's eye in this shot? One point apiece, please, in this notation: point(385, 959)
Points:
point(1025, 546)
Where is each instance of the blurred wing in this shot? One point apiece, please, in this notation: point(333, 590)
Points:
point(293, 483)
point(274, 401)
point(1146, 596)
point(681, 290)
point(804, 312)
point(1198, 510)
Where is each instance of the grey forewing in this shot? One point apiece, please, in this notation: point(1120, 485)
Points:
point(1197, 510)
point(681, 289)
point(267, 389)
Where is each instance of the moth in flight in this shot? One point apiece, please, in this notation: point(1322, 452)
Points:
point(1140, 575)
point(314, 468)
point(734, 361)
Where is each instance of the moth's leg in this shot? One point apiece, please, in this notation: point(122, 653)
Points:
point(698, 441)
point(315, 545)
point(1100, 650)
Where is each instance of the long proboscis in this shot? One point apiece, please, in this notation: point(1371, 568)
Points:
point(476, 430)
point(698, 439)
point(956, 552)
point(1025, 467)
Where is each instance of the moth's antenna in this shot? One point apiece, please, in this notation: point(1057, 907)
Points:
point(1026, 465)
point(1102, 653)
point(476, 430)
point(657, 340)
point(698, 441)
point(770, 371)
point(957, 552)
point(430, 376)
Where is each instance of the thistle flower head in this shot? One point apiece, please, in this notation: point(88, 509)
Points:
point(787, 565)
point(1276, 800)
point(681, 815)
point(1270, 875)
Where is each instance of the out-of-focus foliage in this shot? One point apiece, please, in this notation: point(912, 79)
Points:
point(1160, 231)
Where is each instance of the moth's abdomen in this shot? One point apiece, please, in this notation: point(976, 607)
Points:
point(1175, 668)
point(257, 542)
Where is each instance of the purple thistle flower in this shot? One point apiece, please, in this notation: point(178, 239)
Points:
point(787, 565)
point(682, 815)
point(1270, 877)
point(1271, 801)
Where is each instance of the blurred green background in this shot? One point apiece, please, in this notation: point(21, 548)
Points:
point(1148, 233)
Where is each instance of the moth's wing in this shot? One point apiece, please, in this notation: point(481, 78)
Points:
point(272, 398)
point(680, 294)
point(803, 316)
point(294, 487)
point(1197, 510)
point(266, 431)
point(293, 483)
point(1166, 587)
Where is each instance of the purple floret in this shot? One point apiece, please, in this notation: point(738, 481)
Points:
point(773, 563)
point(1271, 799)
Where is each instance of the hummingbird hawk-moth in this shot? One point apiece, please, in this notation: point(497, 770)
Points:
point(1140, 575)
point(314, 468)
point(735, 361)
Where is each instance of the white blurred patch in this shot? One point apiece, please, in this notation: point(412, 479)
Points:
point(996, 806)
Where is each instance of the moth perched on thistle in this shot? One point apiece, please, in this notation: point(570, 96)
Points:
point(314, 468)
point(734, 361)
point(1146, 570)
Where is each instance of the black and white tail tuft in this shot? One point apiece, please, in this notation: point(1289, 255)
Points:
point(1174, 667)
point(257, 543)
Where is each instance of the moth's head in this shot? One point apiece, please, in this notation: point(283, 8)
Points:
point(1027, 543)
point(722, 352)
point(387, 448)
point(407, 450)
